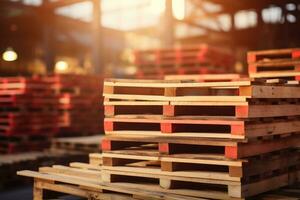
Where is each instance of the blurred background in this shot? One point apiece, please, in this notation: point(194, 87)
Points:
point(54, 55)
point(98, 36)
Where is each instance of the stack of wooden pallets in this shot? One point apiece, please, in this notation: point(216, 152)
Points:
point(28, 116)
point(283, 63)
point(219, 140)
point(79, 106)
point(200, 59)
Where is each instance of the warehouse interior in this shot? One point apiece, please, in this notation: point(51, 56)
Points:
point(149, 99)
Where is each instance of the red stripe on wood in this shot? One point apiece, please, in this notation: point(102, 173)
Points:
point(169, 110)
point(296, 54)
point(164, 148)
point(251, 57)
point(106, 145)
point(166, 127)
point(241, 111)
point(231, 152)
point(108, 126)
point(252, 68)
point(109, 110)
point(238, 129)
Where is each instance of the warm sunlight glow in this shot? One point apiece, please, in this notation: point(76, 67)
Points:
point(61, 66)
point(9, 55)
point(178, 8)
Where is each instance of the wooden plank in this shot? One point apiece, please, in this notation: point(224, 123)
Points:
point(256, 148)
point(177, 98)
point(255, 111)
point(168, 84)
point(208, 159)
point(204, 77)
point(181, 134)
point(190, 176)
point(274, 74)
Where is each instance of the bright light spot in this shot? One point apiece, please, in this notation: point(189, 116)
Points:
point(245, 19)
point(61, 66)
point(158, 6)
point(272, 14)
point(9, 55)
point(178, 8)
point(130, 70)
point(290, 7)
point(291, 18)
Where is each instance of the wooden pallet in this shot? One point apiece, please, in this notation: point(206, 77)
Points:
point(274, 63)
point(86, 180)
point(232, 149)
point(230, 189)
point(177, 91)
point(197, 127)
point(205, 166)
point(273, 55)
point(200, 53)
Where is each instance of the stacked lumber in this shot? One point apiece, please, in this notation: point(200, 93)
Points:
point(218, 140)
point(84, 180)
point(87, 144)
point(79, 106)
point(282, 63)
point(200, 59)
point(28, 118)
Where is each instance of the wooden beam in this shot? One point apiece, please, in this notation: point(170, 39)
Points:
point(62, 3)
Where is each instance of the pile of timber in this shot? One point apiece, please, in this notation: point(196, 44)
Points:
point(84, 180)
point(218, 140)
point(197, 59)
point(283, 63)
point(28, 117)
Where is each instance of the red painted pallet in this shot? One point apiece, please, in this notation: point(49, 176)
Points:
point(22, 85)
point(199, 52)
point(271, 55)
point(200, 127)
point(12, 147)
point(282, 63)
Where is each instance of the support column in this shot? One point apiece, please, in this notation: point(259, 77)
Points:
point(167, 35)
point(97, 35)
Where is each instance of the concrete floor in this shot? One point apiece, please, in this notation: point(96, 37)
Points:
point(25, 193)
point(20, 192)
